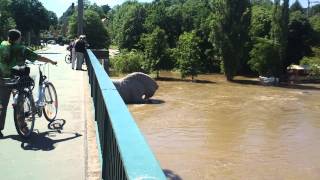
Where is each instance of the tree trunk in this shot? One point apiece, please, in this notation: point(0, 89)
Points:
point(229, 77)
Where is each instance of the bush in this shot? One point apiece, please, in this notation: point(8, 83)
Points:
point(128, 62)
point(264, 58)
point(313, 63)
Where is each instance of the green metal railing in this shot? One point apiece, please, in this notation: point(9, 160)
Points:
point(123, 150)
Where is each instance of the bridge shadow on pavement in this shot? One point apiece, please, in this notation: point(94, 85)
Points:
point(46, 141)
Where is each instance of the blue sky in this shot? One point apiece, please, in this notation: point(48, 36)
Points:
point(59, 6)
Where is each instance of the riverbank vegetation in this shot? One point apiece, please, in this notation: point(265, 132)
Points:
point(211, 36)
point(29, 16)
point(247, 37)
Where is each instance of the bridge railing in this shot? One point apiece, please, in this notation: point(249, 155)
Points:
point(123, 150)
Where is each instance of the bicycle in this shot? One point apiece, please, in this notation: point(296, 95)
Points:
point(68, 58)
point(25, 108)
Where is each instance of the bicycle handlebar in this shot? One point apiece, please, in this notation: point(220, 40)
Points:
point(39, 63)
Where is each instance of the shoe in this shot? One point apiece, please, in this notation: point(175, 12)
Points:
point(1, 135)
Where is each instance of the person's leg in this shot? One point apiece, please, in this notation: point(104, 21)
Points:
point(80, 57)
point(73, 58)
point(4, 100)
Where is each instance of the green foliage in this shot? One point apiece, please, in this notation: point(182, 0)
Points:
point(209, 54)
point(127, 24)
point(264, 57)
point(299, 38)
point(53, 19)
point(315, 10)
point(231, 32)
point(97, 35)
point(188, 55)
point(155, 46)
point(263, 3)
point(97, 9)
point(30, 15)
point(6, 21)
point(313, 63)
point(106, 9)
point(128, 62)
point(260, 21)
point(279, 31)
point(315, 23)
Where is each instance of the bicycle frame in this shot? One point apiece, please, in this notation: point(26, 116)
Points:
point(37, 106)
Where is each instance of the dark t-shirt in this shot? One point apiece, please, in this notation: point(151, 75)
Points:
point(80, 46)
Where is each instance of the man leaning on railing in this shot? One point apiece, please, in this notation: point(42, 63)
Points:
point(80, 50)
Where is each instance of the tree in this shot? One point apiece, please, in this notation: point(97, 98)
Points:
point(296, 6)
point(315, 10)
point(106, 9)
point(53, 19)
point(299, 38)
point(231, 32)
point(315, 24)
point(168, 16)
point(264, 3)
point(155, 46)
point(98, 10)
point(97, 35)
point(6, 21)
point(127, 24)
point(279, 31)
point(30, 15)
point(260, 22)
point(188, 55)
point(264, 57)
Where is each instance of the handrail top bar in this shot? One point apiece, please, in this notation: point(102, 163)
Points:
point(137, 157)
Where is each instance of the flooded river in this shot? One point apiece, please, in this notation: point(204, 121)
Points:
point(219, 130)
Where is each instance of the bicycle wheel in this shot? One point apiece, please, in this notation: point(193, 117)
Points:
point(67, 59)
point(50, 108)
point(23, 116)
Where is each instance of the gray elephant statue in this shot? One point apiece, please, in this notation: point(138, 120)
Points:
point(136, 88)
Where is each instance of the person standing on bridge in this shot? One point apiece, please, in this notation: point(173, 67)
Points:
point(12, 53)
point(71, 48)
point(80, 49)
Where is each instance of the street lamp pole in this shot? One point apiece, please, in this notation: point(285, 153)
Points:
point(80, 17)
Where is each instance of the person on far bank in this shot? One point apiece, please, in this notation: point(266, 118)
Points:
point(80, 50)
point(12, 53)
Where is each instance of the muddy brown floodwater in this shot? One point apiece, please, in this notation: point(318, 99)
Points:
point(220, 130)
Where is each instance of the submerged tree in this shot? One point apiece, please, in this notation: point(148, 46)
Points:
point(188, 55)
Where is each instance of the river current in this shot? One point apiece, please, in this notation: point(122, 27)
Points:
point(213, 129)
